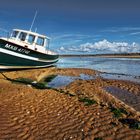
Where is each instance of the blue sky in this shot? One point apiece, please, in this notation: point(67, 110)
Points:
point(78, 26)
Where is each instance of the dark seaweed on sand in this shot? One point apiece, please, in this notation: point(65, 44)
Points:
point(118, 112)
point(87, 101)
point(132, 123)
point(49, 78)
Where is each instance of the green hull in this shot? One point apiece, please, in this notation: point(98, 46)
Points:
point(21, 57)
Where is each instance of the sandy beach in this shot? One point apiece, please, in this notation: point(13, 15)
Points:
point(94, 109)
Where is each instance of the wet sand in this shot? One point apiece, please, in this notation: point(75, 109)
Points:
point(50, 114)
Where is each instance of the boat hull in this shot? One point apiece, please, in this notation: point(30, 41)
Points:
point(13, 56)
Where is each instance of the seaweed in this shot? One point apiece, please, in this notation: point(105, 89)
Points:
point(87, 101)
point(123, 111)
point(40, 85)
point(22, 80)
point(49, 78)
point(113, 123)
point(132, 123)
point(68, 93)
point(116, 111)
point(98, 138)
point(27, 81)
point(64, 92)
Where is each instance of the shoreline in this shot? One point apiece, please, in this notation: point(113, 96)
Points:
point(83, 109)
point(105, 55)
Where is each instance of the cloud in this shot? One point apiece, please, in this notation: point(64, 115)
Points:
point(103, 46)
point(72, 40)
point(135, 33)
point(121, 29)
point(71, 36)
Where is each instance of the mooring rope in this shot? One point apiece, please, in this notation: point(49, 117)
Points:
point(5, 76)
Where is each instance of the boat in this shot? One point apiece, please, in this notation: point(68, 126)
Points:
point(25, 49)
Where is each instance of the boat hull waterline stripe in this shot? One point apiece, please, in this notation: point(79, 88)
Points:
point(24, 67)
point(24, 56)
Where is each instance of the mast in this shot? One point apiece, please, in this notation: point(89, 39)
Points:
point(33, 20)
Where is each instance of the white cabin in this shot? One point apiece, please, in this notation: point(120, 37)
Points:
point(31, 40)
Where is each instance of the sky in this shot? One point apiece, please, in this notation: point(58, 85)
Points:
point(78, 26)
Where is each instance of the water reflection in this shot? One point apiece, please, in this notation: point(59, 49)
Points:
point(129, 66)
point(62, 80)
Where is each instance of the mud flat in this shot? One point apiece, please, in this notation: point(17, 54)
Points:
point(87, 109)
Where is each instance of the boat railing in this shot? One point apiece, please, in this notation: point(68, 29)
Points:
point(50, 52)
point(4, 33)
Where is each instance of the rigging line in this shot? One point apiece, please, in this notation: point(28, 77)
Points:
point(33, 20)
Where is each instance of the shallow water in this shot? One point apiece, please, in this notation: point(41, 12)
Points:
point(114, 68)
point(124, 95)
point(120, 77)
point(128, 66)
point(61, 80)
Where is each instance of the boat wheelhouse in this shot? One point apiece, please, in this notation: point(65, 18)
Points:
point(26, 49)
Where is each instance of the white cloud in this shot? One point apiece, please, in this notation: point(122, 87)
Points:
point(135, 33)
point(104, 46)
point(71, 36)
point(121, 29)
point(62, 48)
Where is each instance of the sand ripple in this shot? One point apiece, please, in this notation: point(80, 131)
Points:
point(28, 113)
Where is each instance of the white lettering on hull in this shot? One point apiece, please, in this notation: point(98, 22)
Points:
point(25, 56)
point(14, 48)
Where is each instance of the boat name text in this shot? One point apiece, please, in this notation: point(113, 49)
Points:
point(15, 48)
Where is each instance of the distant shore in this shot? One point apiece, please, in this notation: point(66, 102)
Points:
point(122, 55)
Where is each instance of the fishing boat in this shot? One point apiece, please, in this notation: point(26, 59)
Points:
point(26, 49)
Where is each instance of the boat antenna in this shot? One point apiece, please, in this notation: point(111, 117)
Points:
point(33, 20)
point(35, 30)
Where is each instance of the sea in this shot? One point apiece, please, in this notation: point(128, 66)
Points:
point(124, 68)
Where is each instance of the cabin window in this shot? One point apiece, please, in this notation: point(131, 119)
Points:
point(31, 39)
point(14, 34)
point(22, 36)
point(40, 41)
point(47, 42)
